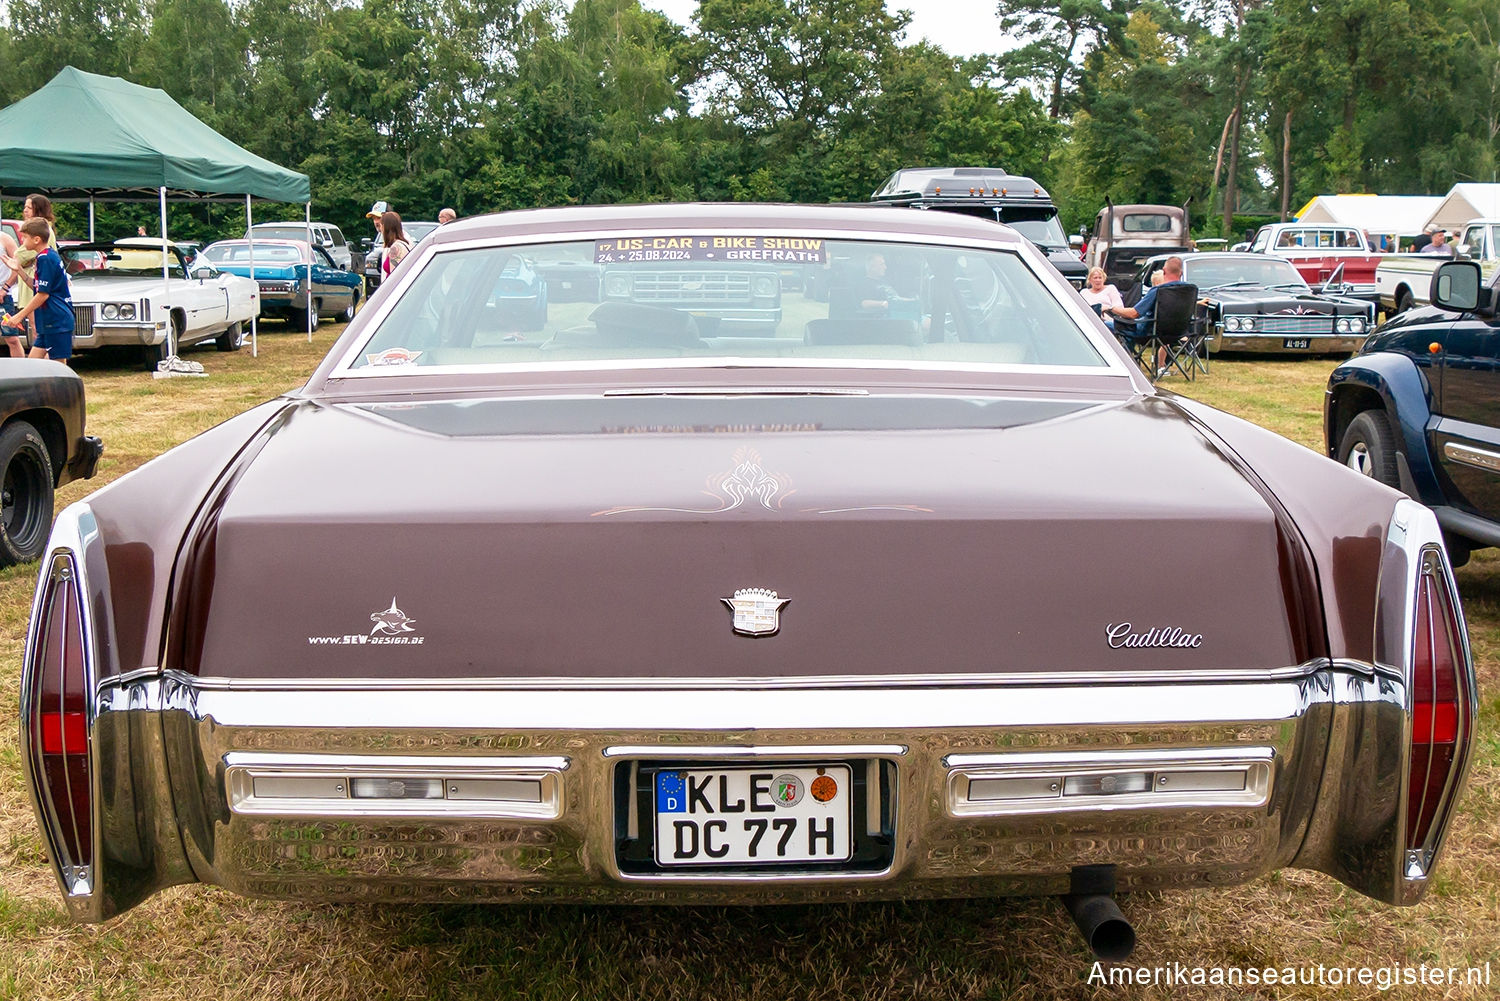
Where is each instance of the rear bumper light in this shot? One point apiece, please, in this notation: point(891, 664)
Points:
point(57, 713)
point(1442, 704)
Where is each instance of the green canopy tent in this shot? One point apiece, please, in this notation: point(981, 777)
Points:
point(86, 136)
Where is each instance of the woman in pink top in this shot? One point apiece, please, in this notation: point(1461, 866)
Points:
point(1100, 293)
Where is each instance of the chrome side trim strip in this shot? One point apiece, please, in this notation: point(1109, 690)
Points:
point(892, 709)
point(1001, 785)
point(758, 752)
point(951, 681)
point(1468, 455)
point(327, 785)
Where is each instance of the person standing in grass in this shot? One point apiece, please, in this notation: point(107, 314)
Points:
point(397, 244)
point(11, 269)
point(51, 300)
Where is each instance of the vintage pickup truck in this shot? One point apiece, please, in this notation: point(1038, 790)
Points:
point(1317, 250)
point(1402, 280)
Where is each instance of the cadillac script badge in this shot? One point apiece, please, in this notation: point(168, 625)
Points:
point(757, 611)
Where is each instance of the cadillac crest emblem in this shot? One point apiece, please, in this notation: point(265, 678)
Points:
point(757, 611)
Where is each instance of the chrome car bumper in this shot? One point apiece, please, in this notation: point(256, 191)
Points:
point(1286, 343)
point(971, 791)
point(113, 333)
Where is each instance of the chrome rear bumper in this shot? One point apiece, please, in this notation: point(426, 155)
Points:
point(1177, 784)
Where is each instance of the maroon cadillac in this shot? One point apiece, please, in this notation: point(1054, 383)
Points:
point(908, 585)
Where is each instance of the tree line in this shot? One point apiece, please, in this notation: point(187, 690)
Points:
point(1242, 108)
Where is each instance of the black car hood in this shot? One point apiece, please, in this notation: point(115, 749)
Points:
point(1260, 299)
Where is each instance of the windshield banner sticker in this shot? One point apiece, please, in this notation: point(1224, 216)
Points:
point(771, 249)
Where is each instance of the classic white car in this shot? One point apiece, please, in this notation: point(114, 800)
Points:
point(131, 301)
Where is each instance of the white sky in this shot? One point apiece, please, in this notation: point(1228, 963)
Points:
point(958, 28)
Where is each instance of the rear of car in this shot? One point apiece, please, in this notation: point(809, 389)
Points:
point(635, 608)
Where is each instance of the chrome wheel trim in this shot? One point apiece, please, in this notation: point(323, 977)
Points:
point(1359, 459)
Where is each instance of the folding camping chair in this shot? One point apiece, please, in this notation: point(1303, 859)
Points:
point(1173, 336)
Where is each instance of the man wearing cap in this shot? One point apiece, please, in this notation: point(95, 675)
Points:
point(1439, 244)
point(376, 211)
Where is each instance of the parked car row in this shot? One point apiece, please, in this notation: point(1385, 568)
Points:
point(298, 282)
point(1260, 304)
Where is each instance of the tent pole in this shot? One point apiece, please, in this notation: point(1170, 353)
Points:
point(311, 319)
point(166, 278)
point(250, 237)
point(91, 218)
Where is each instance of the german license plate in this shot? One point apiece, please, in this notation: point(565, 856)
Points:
point(1296, 342)
point(740, 816)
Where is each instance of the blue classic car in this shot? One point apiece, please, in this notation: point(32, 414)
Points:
point(1418, 407)
point(282, 270)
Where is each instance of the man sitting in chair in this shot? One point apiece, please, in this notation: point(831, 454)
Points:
point(1133, 324)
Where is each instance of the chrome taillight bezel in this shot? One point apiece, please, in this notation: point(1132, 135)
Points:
point(1433, 575)
point(75, 865)
point(1417, 558)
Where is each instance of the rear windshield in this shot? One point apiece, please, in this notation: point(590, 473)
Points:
point(753, 297)
point(240, 254)
point(284, 233)
point(1141, 222)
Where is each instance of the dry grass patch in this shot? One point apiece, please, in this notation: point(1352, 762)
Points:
point(197, 941)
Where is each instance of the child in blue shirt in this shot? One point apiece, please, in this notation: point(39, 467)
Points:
point(53, 302)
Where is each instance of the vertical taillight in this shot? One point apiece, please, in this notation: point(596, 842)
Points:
point(1441, 713)
point(56, 721)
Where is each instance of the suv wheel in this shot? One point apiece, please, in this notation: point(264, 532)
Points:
point(1369, 447)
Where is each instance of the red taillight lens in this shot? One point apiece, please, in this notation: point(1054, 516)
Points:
point(1440, 707)
point(57, 724)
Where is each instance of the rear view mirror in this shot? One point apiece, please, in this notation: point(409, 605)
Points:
point(1076, 242)
point(1455, 286)
point(203, 274)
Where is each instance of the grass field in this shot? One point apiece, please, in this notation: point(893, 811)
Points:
point(200, 942)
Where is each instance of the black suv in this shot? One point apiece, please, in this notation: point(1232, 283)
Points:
point(990, 193)
point(1418, 407)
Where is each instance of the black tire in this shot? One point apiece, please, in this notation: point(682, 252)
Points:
point(1404, 301)
point(538, 317)
point(1369, 447)
point(347, 316)
point(152, 354)
point(299, 319)
point(232, 339)
point(25, 494)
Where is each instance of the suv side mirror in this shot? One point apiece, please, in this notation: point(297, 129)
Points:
point(1075, 241)
point(366, 242)
point(1455, 286)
